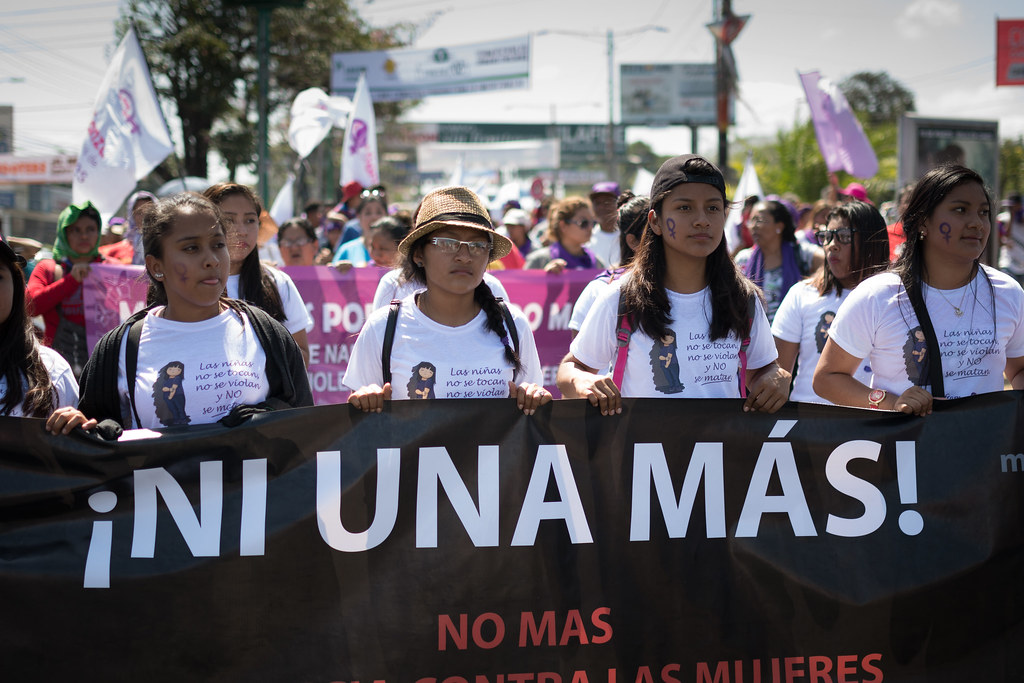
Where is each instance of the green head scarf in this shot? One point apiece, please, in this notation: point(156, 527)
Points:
point(61, 250)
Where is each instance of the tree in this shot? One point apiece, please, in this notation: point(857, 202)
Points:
point(1011, 166)
point(203, 56)
point(793, 162)
point(877, 97)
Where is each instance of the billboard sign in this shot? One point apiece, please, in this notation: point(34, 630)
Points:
point(681, 94)
point(404, 74)
point(1010, 52)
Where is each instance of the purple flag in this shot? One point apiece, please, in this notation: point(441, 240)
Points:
point(840, 138)
point(340, 303)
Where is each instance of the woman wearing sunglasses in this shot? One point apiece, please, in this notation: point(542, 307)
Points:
point(939, 324)
point(856, 246)
point(777, 261)
point(452, 339)
point(570, 226)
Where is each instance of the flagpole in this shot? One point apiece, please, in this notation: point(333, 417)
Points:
point(177, 160)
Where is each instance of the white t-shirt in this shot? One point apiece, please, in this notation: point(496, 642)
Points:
point(389, 288)
point(61, 377)
point(297, 316)
point(877, 322)
point(586, 299)
point(688, 366)
point(804, 318)
point(606, 246)
point(220, 364)
point(431, 360)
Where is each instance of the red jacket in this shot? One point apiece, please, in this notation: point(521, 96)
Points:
point(45, 295)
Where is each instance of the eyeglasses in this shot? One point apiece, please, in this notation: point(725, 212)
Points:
point(447, 245)
point(294, 243)
point(842, 235)
point(584, 223)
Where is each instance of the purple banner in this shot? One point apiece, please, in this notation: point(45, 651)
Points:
point(339, 305)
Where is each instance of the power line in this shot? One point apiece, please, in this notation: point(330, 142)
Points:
point(62, 8)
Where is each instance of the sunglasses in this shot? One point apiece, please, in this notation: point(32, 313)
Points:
point(371, 193)
point(584, 223)
point(447, 245)
point(842, 236)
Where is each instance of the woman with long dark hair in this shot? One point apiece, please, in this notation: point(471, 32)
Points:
point(856, 247)
point(683, 294)
point(939, 324)
point(261, 285)
point(34, 379)
point(452, 338)
point(194, 356)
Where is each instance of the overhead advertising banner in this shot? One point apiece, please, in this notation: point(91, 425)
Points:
point(670, 94)
point(340, 303)
point(19, 170)
point(1010, 52)
point(412, 74)
point(460, 541)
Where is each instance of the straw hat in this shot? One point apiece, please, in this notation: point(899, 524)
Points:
point(454, 206)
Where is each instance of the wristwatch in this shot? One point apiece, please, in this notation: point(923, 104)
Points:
point(875, 397)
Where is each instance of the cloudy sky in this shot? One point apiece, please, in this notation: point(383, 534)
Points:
point(942, 50)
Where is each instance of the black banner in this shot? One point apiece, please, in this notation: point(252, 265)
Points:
point(459, 541)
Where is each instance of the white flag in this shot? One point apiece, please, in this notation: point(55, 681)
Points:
point(750, 185)
point(313, 114)
point(283, 207)
point(359, 155)
point(127, 137)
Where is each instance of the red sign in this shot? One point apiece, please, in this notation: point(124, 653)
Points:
point(1010, 52)
point(537, 189)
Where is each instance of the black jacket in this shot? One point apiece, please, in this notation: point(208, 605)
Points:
point(286, 372)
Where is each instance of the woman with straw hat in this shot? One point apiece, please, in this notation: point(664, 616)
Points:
point(453, 339)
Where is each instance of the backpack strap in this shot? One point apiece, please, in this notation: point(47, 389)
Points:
point(934, 358)
point(745, 343)
point(623, 331)
point(131, 361)
point(510, 323)
point(389, 340)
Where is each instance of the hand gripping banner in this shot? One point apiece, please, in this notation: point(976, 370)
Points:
point(460, 541)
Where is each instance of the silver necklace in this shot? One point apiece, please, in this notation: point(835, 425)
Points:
point(957, 310)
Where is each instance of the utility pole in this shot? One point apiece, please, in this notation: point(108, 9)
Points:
point(725, 28)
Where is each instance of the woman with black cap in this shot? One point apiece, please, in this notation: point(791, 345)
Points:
point(452, 339)
point(683, 298)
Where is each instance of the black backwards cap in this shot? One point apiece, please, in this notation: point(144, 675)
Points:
point(674, 172)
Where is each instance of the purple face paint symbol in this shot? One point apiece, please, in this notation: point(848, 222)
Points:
point(671, 225)
point(358, 135)
point(945, 229)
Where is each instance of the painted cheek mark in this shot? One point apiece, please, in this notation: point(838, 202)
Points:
point(182, 272)
point(945, 229)
point(671, 225)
